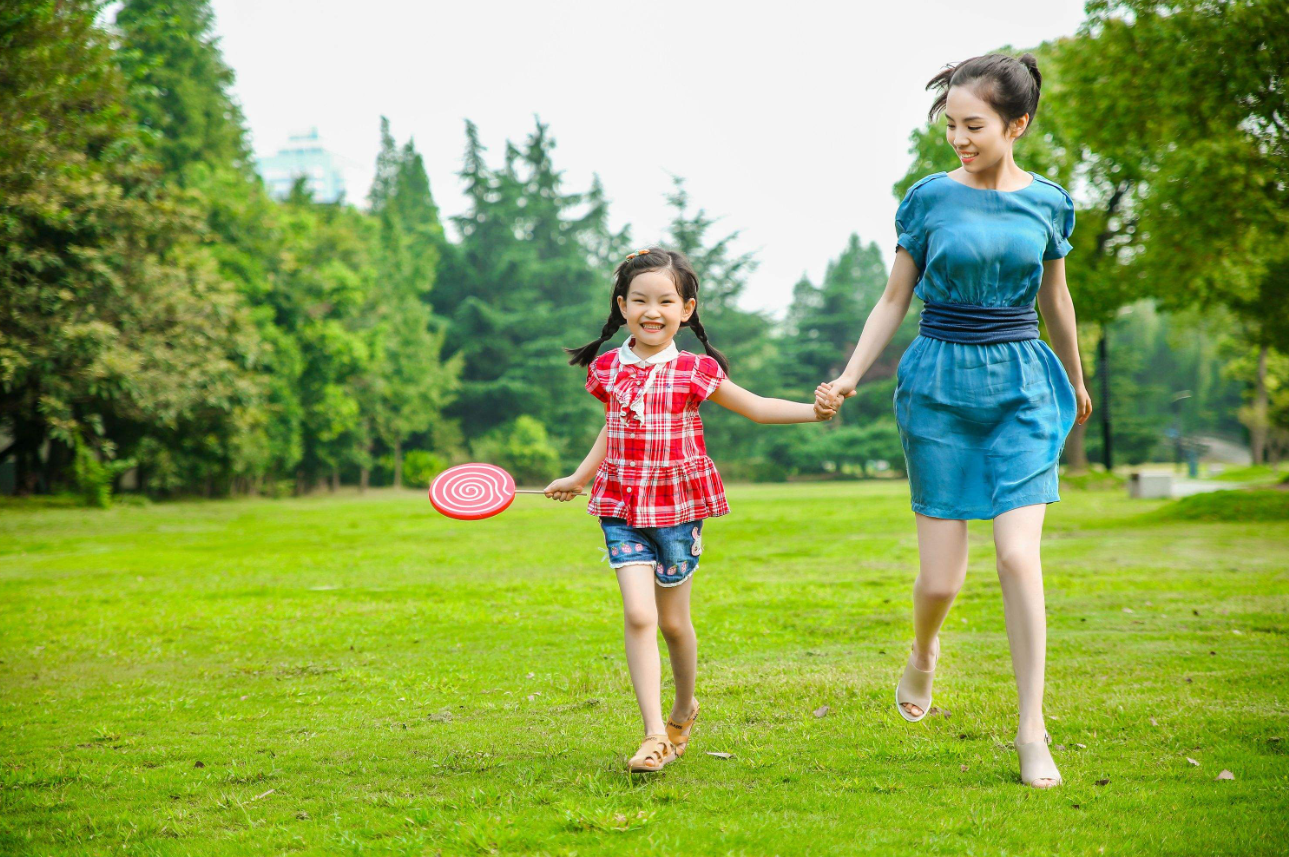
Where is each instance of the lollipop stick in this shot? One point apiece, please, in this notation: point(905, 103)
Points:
point(539, 491)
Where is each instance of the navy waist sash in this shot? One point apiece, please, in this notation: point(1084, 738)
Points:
point(978, 325)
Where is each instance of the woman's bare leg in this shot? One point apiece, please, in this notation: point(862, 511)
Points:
point(1017, 534)
point(942, 567)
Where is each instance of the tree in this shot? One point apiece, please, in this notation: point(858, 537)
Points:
point(742, 335)
point(180, 90)
point(112, 313)
point(520, 286)
point(823, 322)
point(408, 384)
point(1185, 103)
point(180, 84)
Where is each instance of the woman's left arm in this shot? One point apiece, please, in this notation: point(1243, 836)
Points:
point(759, 409)
point(1057, 307)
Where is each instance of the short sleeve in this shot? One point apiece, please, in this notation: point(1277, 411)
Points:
point(1062, 226)
point(707, 376)
point(595, 382)
point(911, 228)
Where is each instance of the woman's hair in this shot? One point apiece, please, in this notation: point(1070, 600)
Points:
point(652, 259)
point(1007, 84)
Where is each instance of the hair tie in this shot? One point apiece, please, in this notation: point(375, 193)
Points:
point(644, 252)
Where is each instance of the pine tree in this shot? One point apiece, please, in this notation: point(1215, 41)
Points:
point(408, 384)
point(742, 335)
point(520, 286)
point(180, 84)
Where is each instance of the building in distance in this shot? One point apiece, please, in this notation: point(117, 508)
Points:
point(303, 156)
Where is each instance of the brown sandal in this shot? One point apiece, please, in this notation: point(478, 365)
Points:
point(679, 732)
point(656, 753)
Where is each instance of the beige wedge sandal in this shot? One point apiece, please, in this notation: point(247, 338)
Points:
point(655, 753)
point(678, 733)
point(914, 689)
point(1036, 763)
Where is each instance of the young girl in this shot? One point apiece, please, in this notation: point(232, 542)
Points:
point(983, 405)
point(654, 484)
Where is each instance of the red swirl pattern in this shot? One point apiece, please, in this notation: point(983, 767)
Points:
point(469, 492)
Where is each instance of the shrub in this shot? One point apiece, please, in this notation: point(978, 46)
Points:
point(420, 467)
point(93, 477)
point(1267, 504)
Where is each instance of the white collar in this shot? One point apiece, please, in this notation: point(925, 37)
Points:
point(627, 357)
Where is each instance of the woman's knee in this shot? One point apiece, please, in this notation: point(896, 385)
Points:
point(938, 589)
point(1016, 560)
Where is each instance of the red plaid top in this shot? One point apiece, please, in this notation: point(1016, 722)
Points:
point(656, 472)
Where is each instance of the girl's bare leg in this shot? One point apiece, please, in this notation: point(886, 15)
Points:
point(682, 644)
point(640, 630)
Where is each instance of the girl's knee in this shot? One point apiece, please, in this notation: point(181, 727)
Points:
point(675, 627)
point(640, 619)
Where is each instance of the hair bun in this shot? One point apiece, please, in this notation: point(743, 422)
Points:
point(1031, 62)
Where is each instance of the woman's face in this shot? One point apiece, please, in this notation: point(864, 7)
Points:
point(653, 308)
point(977, 133)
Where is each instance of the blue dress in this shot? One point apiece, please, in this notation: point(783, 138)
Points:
point(982, 426)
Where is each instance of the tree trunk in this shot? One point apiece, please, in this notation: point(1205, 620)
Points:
point(1103, 354)
point(335, 479)
point(398, 463)
point(1259, 423)
point(299, 483)
point(1076, 452)
point(364, 473)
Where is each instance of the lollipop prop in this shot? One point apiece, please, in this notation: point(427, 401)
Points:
point(470, 492)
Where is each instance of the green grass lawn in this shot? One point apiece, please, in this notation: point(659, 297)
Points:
point(360, 675)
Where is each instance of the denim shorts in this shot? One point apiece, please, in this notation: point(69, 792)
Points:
point(672, 551)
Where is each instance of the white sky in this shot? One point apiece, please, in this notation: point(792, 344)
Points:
point(791, 125)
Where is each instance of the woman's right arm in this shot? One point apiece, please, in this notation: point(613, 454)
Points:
point(882, 323)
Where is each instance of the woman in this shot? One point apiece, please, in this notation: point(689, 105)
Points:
point(983, 405)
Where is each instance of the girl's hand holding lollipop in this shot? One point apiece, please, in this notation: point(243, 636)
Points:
point(564, 489)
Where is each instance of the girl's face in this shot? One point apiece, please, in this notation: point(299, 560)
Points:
point(653, 309)
point(977, 133)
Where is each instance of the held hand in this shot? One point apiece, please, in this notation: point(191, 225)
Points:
point(826, 404)
point(1084, 402)
point(563, 489)
point(843, 386)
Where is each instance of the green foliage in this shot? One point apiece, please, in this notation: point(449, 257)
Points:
point(523, 448)
point(861, 449)
point(113, 312)
point(93, 477)
point(420, 467)
point(179, 84)
point(160, 306)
